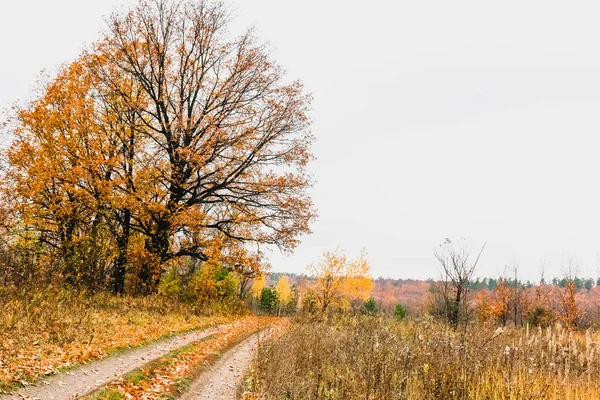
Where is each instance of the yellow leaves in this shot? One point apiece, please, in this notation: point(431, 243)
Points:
point(179, 141)
point(571, 313)
point(358, 288)
point(258, 285)
point(359, 267)
point(203, 286)
point(339, 281)
point(284, 292)
point(332, 265)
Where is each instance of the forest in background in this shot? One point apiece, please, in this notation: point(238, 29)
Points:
point(494, 298)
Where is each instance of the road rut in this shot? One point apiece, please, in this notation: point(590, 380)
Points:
point(71, 384)
point(222, 380)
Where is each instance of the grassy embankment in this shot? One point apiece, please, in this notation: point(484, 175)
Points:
point(45, 331)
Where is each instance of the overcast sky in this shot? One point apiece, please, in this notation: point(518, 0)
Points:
point(433, 119)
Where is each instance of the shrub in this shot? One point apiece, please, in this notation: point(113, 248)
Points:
point(309, 301)
point(400, 312)
point(347, 358)
point(370, 306)
point(268, 300)
point(540, 316)
point(170, 284)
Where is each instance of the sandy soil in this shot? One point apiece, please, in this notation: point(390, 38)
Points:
point(69, 385)
point(223, 379)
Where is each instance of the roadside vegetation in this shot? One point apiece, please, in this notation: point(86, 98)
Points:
point(366, 357)
point(510, 342)
point(45, 331)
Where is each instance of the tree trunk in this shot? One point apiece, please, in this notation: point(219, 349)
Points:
point(455, 312)
point(122, 246)
point(158, 247)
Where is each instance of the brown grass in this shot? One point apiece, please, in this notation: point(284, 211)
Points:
point(376, 358)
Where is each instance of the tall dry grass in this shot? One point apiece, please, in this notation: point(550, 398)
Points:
point(376, 358)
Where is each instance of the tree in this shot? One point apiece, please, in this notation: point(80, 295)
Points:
point(258, 285)
point(269, 300)
point(167, 135)
point(357, 289)
point(284, 293)
point(540, 310)
point(540, 316)
point(231, 138)
point(371, 306)
point(571, 314)
point(338, 280)
point(245, 264)
point(495, 303)
point(58, 167)
point(212, 282)
point(453, 290)
point(570, 309)
point(309, 301)
point(516, 289)
point(400, 311)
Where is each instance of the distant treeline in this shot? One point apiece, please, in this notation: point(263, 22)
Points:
point(477, 284)
point(491, 283)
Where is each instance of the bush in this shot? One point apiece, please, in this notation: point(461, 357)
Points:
point(211, 282)
point(290, 307)
point(309, 301)
point(400, 312)
point(170, 284)
point(268, 300)
point(359, 357)
point(540, 316)
point(370, 306)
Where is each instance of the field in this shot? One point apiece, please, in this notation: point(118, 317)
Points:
point(155, 184)
point(376, 358)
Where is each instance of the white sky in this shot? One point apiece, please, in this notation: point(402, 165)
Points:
point(434, 119)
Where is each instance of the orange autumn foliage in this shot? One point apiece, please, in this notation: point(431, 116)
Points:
point(158, 141)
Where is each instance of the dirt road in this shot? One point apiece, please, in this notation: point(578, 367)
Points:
point(69, 385)
point(223, 379)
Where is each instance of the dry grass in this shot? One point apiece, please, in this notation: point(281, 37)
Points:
point(44, 331)
point(375, 358)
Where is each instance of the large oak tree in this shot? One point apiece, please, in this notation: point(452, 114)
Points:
point(168, 134)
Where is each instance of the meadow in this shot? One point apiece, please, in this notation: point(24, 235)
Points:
point(367, 357)
point(146, 183)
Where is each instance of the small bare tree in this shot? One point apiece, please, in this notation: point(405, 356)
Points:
point(571, 314)
point(452, 292)
point(517, 295)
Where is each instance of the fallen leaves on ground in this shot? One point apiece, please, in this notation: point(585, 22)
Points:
point(44, 336)
point(172, 373)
